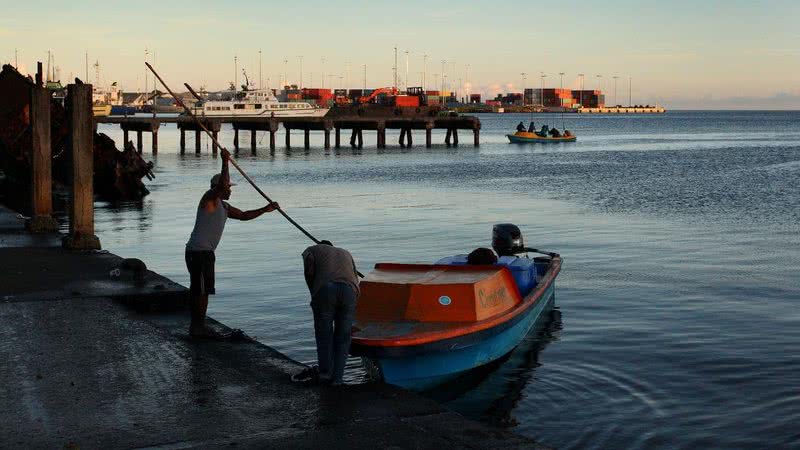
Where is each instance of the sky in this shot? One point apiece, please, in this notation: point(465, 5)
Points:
point(699, 54)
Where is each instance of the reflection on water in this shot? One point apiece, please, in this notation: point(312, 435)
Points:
point(491, 393)
point(681, 238)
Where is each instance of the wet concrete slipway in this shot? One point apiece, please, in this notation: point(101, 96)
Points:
point(90, 361)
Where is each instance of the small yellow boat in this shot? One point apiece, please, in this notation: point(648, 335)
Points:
point(100, 110)
point(526, 137)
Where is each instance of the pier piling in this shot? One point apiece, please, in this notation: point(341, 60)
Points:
point(214, 147)
point(428, 138)
point(271, 139)
point(306, 139)
point(338, 138)
point(455, 136)
point(81, 224)
point(447, 136)
point(288, 138)
point(155, 141)
point(41, 162)
point(198, 139)
point(235, 139)
point(124, 136)
point(183, 140)
point(327, 132)
point(139, 141)
point(476, 137)
point(253, 142)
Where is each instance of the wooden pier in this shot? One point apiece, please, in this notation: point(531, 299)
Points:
point(354, 123)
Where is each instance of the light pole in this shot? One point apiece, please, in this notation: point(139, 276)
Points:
point(524, 84)
point(235, 75)
point(467, 84)
point(259, 71)
point(442, 89)
point(630, 103)
point(541, 92)
point(406, 71)
point(580, 93)
point(145, 73)
point(301, 72)
point(395, 67)
point(424, 70)
point(615, 90)
point(323, 72)
point(365, 78)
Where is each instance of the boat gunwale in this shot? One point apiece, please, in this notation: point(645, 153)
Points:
point(427, 337)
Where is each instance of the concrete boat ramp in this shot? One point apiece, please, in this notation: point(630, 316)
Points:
point(95, 361)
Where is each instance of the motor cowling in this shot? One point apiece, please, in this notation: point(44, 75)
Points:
point(507, 239)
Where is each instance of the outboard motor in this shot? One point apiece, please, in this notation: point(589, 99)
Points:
point(507, 239)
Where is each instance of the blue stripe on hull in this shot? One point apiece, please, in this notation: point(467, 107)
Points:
point(422, 372)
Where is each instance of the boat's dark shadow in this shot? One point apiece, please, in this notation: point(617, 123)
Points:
point(490, 393)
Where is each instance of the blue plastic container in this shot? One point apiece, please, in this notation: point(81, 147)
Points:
point(522, 269)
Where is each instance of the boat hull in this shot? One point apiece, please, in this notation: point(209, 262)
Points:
point(420, 369)
point(517, 139)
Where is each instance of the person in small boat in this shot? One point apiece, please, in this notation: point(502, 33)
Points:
point(332, 279)
point(212, 212)
point(567, 133)
point(543, 132)
point(555, 133)
point(481, 257)
point(520, 127)
point(531, 128)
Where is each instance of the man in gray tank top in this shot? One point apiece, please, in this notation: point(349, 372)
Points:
point(333, 281)
point(212, 213)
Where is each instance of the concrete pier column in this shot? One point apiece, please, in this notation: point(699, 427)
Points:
point(253, 141)
point(41, 164)
point(455, 136)
point(381, 136)
point(288, 138)
point(306, 138)
point(155, 141)
point(327, 138)
point(81, 215)
point(476, 137)
point(183, 140)
point(197, 141)
point(235, 139)
point(271, 140)
point(428, 140)
point(214, 147)
point(338, 138)
point(139, 141)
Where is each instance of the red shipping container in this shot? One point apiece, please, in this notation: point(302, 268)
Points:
point(406, 100)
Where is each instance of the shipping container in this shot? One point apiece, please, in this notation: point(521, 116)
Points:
point(406, 100)
point(432, 93)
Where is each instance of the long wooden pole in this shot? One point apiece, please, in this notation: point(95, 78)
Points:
point(214, 139)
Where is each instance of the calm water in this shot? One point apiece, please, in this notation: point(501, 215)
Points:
point(677, 321)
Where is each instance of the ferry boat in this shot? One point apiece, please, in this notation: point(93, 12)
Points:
point(419, 326)
point(256, 103)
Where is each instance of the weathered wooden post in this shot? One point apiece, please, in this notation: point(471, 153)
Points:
point(428, 140)
point(353, 137)
point(381, 135)
point(409, 139)
point(139, 141)
point(253, 141)
point(42, 190)
point(214, 147)
point(402, 140)
point(124, 135)
point(476, 137)
point(337, 138)
point(306, 138)
point(183, 139)
point(272, 139)
point(447, 136)
point(455, 136)
point(288, 136)
point(360, 138)
point(197, 141)
point(327, 132)
point(155, 137)
point(81, 224)
point(235, 138)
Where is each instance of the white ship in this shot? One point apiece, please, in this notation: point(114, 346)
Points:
point(256, 103)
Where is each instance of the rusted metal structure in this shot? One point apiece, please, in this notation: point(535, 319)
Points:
point(117, 175)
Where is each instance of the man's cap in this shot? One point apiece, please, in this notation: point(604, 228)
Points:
point(216, 178)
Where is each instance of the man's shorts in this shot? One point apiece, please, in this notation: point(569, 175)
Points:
point(201, 272)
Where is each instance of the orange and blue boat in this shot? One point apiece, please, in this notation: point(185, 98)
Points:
point(526, 137)
point(421, 325)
